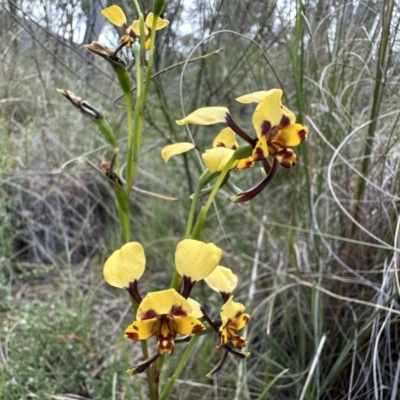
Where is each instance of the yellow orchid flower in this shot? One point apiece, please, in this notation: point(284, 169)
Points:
point(164, 314)
point(276, 130)
point(275, 127)
point(117, 17)
point(233, 320)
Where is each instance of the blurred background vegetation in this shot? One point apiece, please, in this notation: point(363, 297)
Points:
point(316, 252)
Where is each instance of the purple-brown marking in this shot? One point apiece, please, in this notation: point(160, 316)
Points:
point(149, 314)
point(285, 121)
point(197, 328)
point(258, 154)
point(302, 134)
point(132, 335)
point(177, 311)
point(265, 128)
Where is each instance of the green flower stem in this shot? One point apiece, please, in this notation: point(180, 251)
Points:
point(182, 363)
point(203, 213)
point(134, 132)
point(141, 96)
point(205, 178)
point(151, 57)
point(123, 212)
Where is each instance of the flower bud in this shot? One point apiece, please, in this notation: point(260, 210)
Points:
point(158, 7)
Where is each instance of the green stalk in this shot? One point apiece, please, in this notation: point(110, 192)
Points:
point(141, 96)
point(182, 363)
point(134, 133)
point(122, 203)
point(203, 213)
point(151, 57)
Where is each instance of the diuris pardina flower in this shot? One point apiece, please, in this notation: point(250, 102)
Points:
point(117, 17)
point(233, 320)
point(164, 314)
point(275, 128)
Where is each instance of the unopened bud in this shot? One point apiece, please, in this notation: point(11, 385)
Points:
point(158, 7)
point(117, 63)
point(244, 151)
point(92, 112)
point(82, 105)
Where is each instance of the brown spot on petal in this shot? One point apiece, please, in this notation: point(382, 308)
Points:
point(246, 318)
point(258, 154)
point(177, 311)
point(285, 121)
point(220, 144)
point(265, 128)
point(198, 328)
point(149, 314)
point(238, 341)
point(132, 335)
point(302, 134)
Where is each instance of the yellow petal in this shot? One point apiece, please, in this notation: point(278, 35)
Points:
point(161, 23)
point(196, 310)
point(163, 302)
point(115, 15)
point(196, 259)
point(187, 325)
point(268, 113)
point(216, 159)
point(135, 27)
point(254, 97)
point(244, 163)
point(147, 44)
point(142, 330)
point(226, 138)
point(174, 149)
point(205, 116)
point(289, 114)
point(239, 322)
point(222, 279)
point(125, 265)
point(290, 136)
point(261, 150)
point(229, 311)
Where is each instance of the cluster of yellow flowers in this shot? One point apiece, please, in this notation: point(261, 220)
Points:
point(132, 32)
point(171, 312)
point(167, 313)
point(276, 129)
